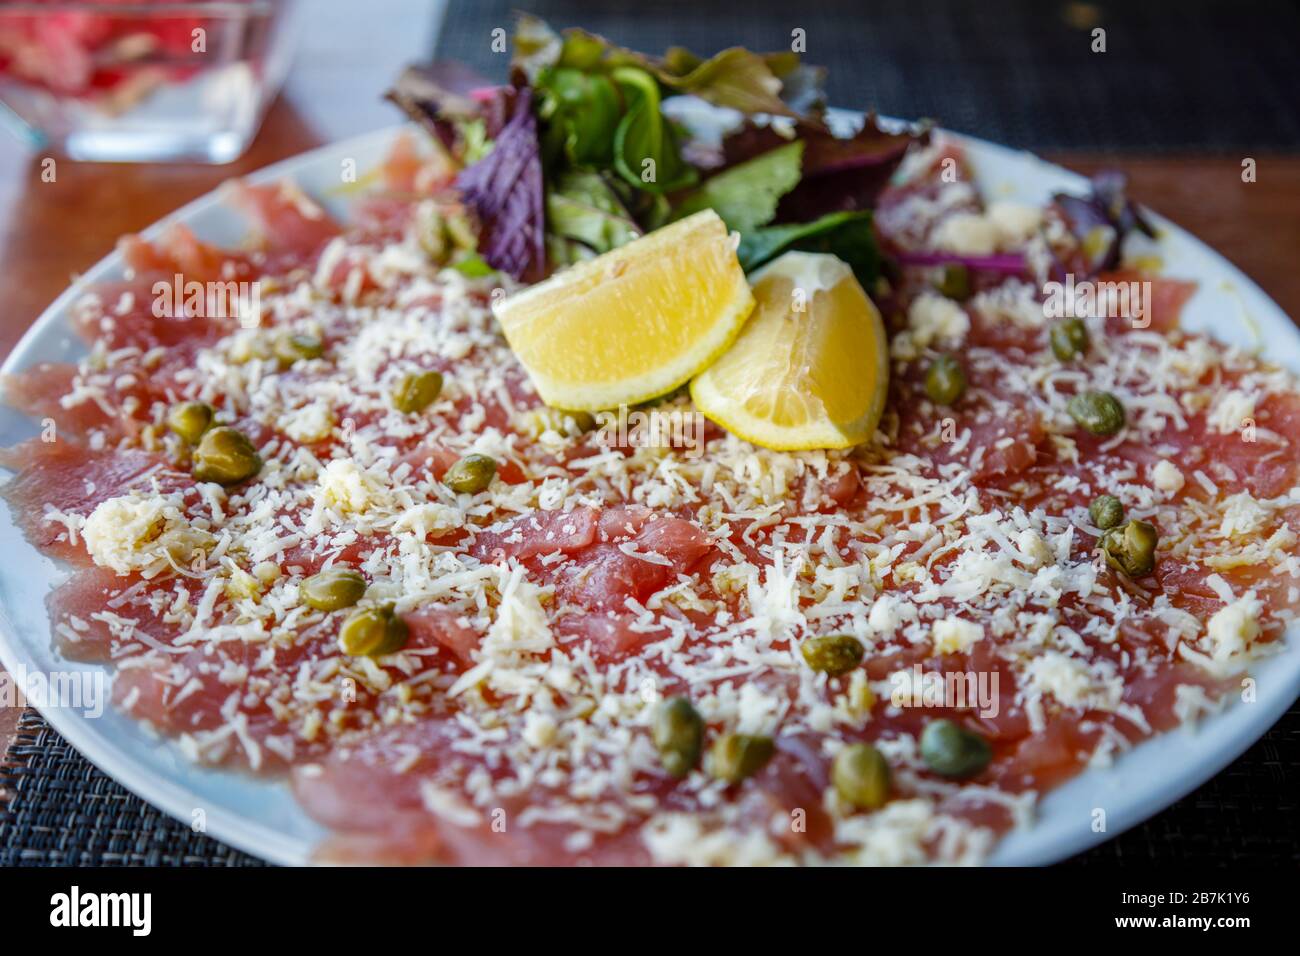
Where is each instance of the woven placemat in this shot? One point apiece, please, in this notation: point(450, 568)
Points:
point(1248, 815)
point(1217, 76)
point(57, 809)
point(61, 811)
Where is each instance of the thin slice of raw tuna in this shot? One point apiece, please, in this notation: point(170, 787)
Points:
point(538, 533)
point(284, 217)
point(71, 478)
point(434, 626)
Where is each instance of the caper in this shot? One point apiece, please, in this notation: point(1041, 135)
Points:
point(861, 776)
point(372, 632)
point(579, 422)
point(294, 346)
point(1106, 511)
point(1097, 412)
point(945, 380)
point(333, 589)
point(1069, 339)
point(955, 282)
point(470, 475)
point(1131, 548)
point(226, 456)
point(835, 654)
point(678, 732)
point(417, 391)
point(538, 421)
point(190, 420)
point(953, 751)
point(737, 756)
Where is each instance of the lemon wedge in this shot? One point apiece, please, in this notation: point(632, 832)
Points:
point(810, 369)
point(634, 323)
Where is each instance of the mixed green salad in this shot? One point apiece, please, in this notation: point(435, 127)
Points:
point(591, 145)
point(583, 151)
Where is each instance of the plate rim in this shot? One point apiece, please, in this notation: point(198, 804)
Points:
point(264, 842)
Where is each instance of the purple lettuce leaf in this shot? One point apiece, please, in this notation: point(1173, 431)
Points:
point(440, 95)
point(840, 174)
point(505, 191)
point(1102, 219)
point(1109, 188)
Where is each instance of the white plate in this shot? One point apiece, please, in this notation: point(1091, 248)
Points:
point(262, 818)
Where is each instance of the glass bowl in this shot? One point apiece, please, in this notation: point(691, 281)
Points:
point(143, 81)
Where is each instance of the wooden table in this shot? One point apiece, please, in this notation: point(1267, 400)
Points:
point(51, 231)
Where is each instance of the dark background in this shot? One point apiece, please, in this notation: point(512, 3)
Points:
point(1216, 76)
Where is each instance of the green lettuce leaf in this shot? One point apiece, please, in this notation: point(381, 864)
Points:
point(848, 235)
point(646, 152)
point(746, 195)
point(474, 140)
point(580, 112)
point(536, 46)
point(561, 252)
point(473, 266)
point(581, 206)
point(736, 77)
